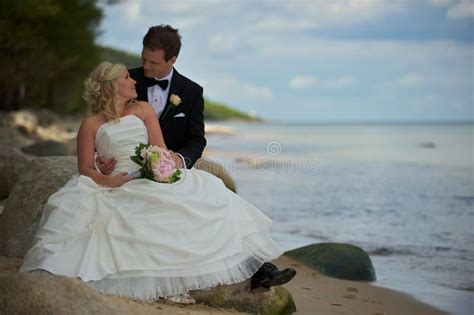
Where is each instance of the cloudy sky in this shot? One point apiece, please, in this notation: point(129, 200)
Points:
point(317, 60)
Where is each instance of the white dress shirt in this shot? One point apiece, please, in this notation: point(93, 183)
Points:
point(157, 97)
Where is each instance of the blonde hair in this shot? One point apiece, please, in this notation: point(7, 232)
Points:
point(101, 90)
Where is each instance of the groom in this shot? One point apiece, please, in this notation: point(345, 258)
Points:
point(179, 105)
point(177, 101)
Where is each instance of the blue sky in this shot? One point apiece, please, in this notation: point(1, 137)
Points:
point(317, 60)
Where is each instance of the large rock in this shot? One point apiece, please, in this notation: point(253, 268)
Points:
point(343, 261)
point(24, 120)
point(217, 170)
point(276, 301)
point(26, 127)
point(12, 162)
point(40, 179)
point(47, 148)
point(31, 293)
point(30, 120)
point(50, 294)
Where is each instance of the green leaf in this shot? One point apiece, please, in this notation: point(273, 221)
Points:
point(175, 177)
point(139, 148)
point(137, 160)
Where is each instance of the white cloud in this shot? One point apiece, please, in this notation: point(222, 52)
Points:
point(132, 11)
point(341, 82)
point(462, 9)
point(222, 44)
point(358, 50)
point(316, 14)
point(255, 91)
point(306, 81)
point(188, 22)
point(410, 80)
point(191, 6)
point(233, 86)
point(439, 3)
point(302, 82)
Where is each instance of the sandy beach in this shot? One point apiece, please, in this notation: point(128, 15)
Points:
point(312, 293)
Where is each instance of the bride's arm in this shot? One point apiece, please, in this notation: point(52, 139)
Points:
point(86, 153)
point(155, 136)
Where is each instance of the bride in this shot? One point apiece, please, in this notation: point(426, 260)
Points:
point(139, 238)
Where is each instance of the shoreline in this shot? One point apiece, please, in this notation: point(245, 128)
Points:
point(395, 277)
point(313, 292)
point(393, 274)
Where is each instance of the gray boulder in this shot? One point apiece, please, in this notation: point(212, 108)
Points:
point(343, 261)
point(43, 177)
point(276, 301)
point(47, 148)
point(23, 209)
point(44, 293)
point(12, 162)
point(49, 294)
point(217, 170)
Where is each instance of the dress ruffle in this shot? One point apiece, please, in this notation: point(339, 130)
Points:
point(150, 285)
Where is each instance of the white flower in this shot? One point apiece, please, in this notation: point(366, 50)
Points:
point(175, 100)
point(144, 153)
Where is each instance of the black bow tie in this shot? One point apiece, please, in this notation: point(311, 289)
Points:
point(162, 83)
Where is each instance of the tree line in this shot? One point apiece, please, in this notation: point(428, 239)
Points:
point(47, 48)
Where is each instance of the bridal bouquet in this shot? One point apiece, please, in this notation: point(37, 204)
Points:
point(156, 163)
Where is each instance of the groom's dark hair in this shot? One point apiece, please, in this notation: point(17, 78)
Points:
point(163, 37)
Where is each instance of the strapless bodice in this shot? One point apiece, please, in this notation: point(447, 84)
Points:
point(119, 139)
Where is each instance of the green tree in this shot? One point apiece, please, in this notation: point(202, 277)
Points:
point(46, 49)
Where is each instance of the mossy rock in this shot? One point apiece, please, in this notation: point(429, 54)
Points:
point(276, 301)
point(343, 261)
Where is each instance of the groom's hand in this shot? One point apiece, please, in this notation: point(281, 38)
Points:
point(106, 166)
point(177, 159)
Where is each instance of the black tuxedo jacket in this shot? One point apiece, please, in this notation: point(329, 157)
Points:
point(185, 133)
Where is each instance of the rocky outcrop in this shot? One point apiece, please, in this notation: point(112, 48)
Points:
point(46, 148)
point(12, 162)
point(217, 170)
point(26, 127)
point(275, 301)
point(44, 293)
point(343, 261)
point(48, 294)
point(40, 179)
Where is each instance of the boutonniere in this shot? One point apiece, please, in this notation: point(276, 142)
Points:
point(175, 100)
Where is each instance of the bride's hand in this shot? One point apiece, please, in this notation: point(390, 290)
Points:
point(118, 180)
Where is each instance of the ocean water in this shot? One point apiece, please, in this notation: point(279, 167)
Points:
point(403, 192)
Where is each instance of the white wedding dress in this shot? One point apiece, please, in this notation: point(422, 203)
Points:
point(146, 239)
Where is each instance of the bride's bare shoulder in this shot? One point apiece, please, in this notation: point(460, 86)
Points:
point(93, 122)
point(139, 109)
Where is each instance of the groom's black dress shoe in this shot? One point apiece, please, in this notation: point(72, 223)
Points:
point(268, 276)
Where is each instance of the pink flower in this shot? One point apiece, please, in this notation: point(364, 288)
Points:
point(158, 163)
